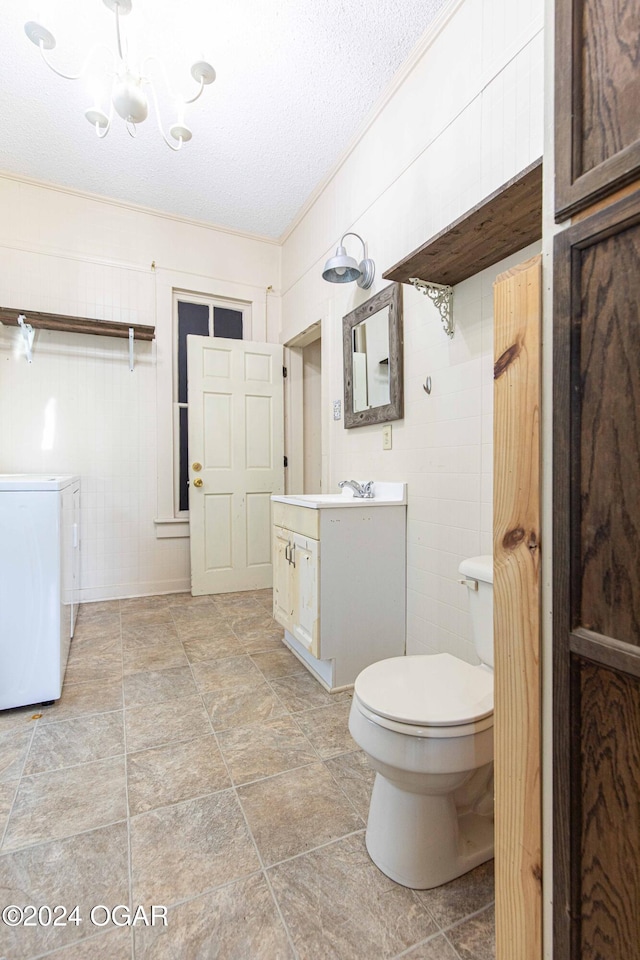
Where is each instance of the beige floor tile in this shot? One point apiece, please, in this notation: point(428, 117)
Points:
point(142, 604)
point(264, 749)
point(146, 616)
point(64, 802)
point(157, 723)
point(237, 922)
point(103, 625)
point(175, 772)
point(475, 939)
point(328, 729)
point(462, 896)
point(437, 948)
point(232, 606)
point(249, 629)
point(278, 663)
point(244, 703)
point(187, 600)
point(154, 686)
point(157, 655)
point(204, 629)
point(71, 742)
point(19, 717)
point(296, 811)
point(83, 699)
point(339, 906)
point(95, 666)
point(355, 777)
point(89, 611)
point(182, 851)
point(7, 793)
point(115, 945)
point(86, 870)
point(225, 674)
point(14, 746)
point(98, 646)
point(141, 635)
point(303, 692)
point(213, 647)
point(190, 612)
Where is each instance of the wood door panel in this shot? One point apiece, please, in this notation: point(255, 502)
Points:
point(597, 96)
point(609, 455)
point(609, 821)
point(596, 601)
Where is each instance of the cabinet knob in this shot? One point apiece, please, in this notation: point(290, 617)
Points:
point(198, 482)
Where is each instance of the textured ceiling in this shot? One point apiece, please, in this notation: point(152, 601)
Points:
point(295, 79)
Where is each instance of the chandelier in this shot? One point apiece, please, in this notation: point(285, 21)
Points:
point(128, 96)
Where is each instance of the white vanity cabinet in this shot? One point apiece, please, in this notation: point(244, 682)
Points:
point(339, 582)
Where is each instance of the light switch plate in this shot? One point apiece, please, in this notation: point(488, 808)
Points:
point(386, 437)
point(337, 409)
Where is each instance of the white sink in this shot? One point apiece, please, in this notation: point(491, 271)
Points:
point(384, 494)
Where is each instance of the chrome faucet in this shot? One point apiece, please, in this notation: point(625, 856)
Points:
point(362, 491)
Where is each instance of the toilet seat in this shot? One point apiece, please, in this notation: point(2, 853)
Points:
point(427, 696)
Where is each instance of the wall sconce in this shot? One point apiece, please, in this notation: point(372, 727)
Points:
point(344, 269)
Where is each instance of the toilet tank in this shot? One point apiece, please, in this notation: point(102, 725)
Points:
point(480, 570)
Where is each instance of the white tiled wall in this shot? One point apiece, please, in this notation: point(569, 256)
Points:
point(77, 408)
point(465, 120)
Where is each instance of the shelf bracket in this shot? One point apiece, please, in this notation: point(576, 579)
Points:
point(131, 349)
point(28, 333)
point(442, 296)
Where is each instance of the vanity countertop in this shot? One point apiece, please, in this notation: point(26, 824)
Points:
point(384, 495)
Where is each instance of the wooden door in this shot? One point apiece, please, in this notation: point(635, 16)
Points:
point(305, 558)
point(282, 577)
point(596, 572)
point(597, 114)
point(236, 452)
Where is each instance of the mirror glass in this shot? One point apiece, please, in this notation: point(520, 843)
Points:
point(371, 362)
point(372, 342)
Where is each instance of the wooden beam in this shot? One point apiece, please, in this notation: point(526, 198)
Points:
point(65, 324)
point(503, 223)
point(516, 526)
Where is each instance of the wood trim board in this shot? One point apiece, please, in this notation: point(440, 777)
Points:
point(66, 324)
point(516, 588)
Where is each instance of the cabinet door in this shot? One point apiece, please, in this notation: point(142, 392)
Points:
point(306, 600)
point(282, 577)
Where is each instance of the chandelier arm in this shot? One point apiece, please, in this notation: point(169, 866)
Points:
point(198, 94)
point(66, 76)
point(162, 71)
point(156, 111)
point(117, 12)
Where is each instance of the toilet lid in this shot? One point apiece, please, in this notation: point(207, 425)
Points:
point(423, 690)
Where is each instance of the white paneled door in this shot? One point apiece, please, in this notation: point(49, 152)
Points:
point(236, 460)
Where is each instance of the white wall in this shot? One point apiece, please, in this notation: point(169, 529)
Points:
point(466, 118)
point(66, 253)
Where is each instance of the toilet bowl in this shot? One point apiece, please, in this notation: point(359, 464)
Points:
point(426, 725)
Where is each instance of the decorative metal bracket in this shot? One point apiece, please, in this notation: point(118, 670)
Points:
point(442, 296)
point(131, 333)
point(28, 333)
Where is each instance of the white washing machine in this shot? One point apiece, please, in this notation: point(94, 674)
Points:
point(39, 584)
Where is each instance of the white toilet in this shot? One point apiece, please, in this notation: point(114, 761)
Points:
point(426, 724)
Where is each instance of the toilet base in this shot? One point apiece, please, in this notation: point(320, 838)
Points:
point(422, 841)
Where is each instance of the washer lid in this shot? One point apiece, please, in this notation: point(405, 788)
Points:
point(35, 481)
point(423, 690)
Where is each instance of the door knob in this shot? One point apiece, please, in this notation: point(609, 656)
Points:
point(197, 467)
point(198, 482)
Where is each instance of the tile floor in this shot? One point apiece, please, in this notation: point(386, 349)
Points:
point(192, 762)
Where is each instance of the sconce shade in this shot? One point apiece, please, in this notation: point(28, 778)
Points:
point(344, 269)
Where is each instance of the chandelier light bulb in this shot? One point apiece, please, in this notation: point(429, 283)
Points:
point(128, 95)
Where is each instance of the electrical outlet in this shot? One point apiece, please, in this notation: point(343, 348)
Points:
point(337, 409)
point(386, 437)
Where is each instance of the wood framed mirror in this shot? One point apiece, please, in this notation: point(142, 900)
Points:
point(372, 340)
